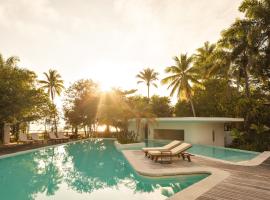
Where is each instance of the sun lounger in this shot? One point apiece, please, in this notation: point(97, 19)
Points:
point(167, 147)
point(53, 137)
point(36, 138)
point(62, 136)
point(176, 151)
point(23, 138)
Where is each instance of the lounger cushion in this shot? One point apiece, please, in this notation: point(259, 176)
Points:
point(157, 153)
point(178, 149)
point(166, 147)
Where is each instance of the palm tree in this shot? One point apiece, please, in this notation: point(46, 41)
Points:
point(11, 61)
point(236, 41)
point(258, 11)
point(203, 59)
point(148, 76)
point(182, 78)
point(53, 83)
point(54, 86)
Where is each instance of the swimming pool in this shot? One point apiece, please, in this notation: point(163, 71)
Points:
point(90, 169)
point(227, 154)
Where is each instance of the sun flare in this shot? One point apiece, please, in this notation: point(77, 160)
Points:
point(105, 86)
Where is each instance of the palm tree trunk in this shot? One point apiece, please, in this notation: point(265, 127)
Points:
point(55, 124)
point(247, 88)
point(192, 106)
point(54, 115)
point(148, 88)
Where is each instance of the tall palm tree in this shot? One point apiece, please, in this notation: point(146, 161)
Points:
point(236, 41)
point(258, 11)
point(148, 76)
point(54, 86)
point(182, 78)
point(53, 83)
point(204, 58)
point(11, 61)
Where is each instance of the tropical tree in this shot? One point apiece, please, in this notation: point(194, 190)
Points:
point(182, 78)
point(9, 62)
point(161, 106)
point(54, 85)
point(81, 104)
point(236, 41)
point(148, 76)
point(204, 58)
point(258, 11)
point(21, 101)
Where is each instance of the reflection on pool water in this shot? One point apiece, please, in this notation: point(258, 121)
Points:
point(91, 169)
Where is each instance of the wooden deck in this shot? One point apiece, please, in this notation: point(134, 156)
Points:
point(244, 183)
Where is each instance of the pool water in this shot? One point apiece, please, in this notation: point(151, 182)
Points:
point(90, 169)
point(228, 154)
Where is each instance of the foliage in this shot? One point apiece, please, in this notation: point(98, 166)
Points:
point(161, 106)
point(53, 83)
point(217, 99)
point(125, 137)
point(81, 104)
point(148, 76)
point(182, 78)
point(21, 101)
point(204, 58)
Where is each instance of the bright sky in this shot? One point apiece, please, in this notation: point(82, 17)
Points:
point(109, 41)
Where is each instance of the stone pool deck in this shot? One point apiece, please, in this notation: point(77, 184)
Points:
point(227, 181)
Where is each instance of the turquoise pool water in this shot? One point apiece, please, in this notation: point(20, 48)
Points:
point(91, 169)
point(228, 154)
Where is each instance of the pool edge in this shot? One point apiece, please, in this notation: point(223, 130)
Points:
point(47, 147)
point(193, 191)
point(257, 160)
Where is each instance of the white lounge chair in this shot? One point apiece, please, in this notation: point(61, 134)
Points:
point(53, 137)
point(62, 136)
point(36, 138)
point(23, 138)
point(176, 151)
point(167, 147)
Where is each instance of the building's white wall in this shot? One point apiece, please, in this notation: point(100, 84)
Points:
point(195, 132)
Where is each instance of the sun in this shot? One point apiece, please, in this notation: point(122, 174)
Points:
point(105, 86)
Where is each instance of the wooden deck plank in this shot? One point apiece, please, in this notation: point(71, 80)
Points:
point(245, 183)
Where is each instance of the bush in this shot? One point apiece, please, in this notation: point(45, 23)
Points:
point(126, 137)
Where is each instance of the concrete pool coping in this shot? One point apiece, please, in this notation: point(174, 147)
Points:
point(146, 167)
point(257, 160)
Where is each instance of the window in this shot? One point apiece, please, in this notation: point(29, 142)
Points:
point(169, 134)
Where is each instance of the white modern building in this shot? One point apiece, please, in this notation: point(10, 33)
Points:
point(197, 130)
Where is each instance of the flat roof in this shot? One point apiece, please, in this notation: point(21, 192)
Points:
point(198, 119)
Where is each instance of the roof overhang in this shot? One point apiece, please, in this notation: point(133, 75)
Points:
point(198, 119)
